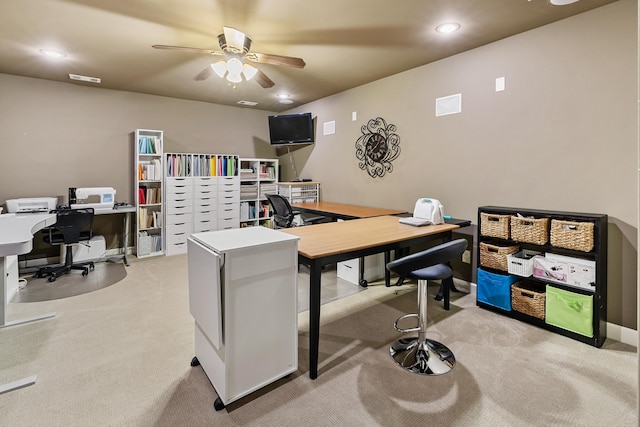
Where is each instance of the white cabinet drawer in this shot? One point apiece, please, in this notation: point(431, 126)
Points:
point(179, 209)
point(205, 206)
point(178, 181)
point(225, 224)
point(182, 229)
point(205, 216)
point(179, 193)
point(229, 184)
point(207, 187)
point(229, 211)
point(207, 194)
point(229, 197)
point(202, 226)
point(180, 218)
point(178, 203)
point(176, 247)
point(205, 180)
point(211, 197)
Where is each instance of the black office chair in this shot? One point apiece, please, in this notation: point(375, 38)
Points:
point(72, 226)
point(421, 355)
point(283, 213)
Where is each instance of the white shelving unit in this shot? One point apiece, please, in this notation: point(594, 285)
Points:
point(257, 178)
point(148, 192)
point(202, 193)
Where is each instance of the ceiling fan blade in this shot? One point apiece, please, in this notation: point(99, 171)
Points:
point(263, 80)
point(266, 58)
point(187, 49)
point(204, 74)
point(235, 39)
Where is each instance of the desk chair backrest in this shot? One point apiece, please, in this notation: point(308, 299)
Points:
point(283, 213)
point(72, 226)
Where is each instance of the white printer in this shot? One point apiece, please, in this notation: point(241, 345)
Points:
point(34, 204)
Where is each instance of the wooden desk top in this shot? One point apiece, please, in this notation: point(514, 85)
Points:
point(344, 209)
point(331, 238)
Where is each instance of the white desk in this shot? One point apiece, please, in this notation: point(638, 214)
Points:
point(16, 238)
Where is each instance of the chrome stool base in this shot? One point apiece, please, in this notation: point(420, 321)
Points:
point(427, 357)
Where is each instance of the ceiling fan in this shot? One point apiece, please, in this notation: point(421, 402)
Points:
point(236, 47)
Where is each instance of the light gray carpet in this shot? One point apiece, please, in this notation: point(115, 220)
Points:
point(120, 356)
point(71, 284)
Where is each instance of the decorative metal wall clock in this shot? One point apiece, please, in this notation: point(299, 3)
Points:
point(377, 147)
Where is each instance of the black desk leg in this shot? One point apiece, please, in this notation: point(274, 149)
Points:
point(362, 282)
point(314, 317)
point(387, 273)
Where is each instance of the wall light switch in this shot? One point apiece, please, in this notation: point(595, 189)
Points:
point(354, 116)
point(499, 84)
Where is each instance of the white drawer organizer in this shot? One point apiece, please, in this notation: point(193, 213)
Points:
point(202, 193)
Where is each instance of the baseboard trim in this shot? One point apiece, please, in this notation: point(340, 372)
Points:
point(615, 332)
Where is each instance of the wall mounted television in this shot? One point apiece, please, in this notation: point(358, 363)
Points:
point(289, 129)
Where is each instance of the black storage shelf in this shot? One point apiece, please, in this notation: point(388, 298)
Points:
point(598, 255)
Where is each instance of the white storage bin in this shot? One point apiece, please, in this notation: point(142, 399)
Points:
point(521, 262)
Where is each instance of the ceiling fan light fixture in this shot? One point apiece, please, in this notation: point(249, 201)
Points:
point(220, 68)
point(234, 66)
point(249, 71)
point(234, 78)
point(447, 28)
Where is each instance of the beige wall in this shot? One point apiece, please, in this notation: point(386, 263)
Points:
point(561, 137)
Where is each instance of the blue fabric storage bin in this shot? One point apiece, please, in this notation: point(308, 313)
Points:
point(495, 289)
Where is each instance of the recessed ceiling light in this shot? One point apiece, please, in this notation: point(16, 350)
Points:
point(562, 2)
point(53, 53)
point(250, 103)
point(286, 101)
point(283, 95)
point(447, 28)
point(85, 78)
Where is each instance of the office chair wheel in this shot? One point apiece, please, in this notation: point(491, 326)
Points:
point(218, 405)
point(85, 272)
point(363, 283)
point(52, 278)
point(92, 266)
point(195, 361)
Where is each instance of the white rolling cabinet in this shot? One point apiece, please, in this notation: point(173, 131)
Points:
point(179, 214)
point(205, 203)
point(243, 298)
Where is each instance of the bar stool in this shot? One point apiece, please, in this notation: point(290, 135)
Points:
point(421, 355)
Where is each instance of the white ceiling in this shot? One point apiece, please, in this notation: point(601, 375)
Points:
point(345, 43)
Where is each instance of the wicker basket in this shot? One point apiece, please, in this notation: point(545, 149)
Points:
point(530, 230)
point(572, 235)
point(527, 300)
point(494, 225)
point(493, 256)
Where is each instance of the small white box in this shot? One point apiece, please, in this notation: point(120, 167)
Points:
point(373, 269)
point(549, 269)
point(581, 272)
point(93, 249)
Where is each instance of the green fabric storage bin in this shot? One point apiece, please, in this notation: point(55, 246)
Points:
point(569, 310)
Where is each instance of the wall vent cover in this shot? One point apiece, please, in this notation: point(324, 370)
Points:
point(451, 104)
